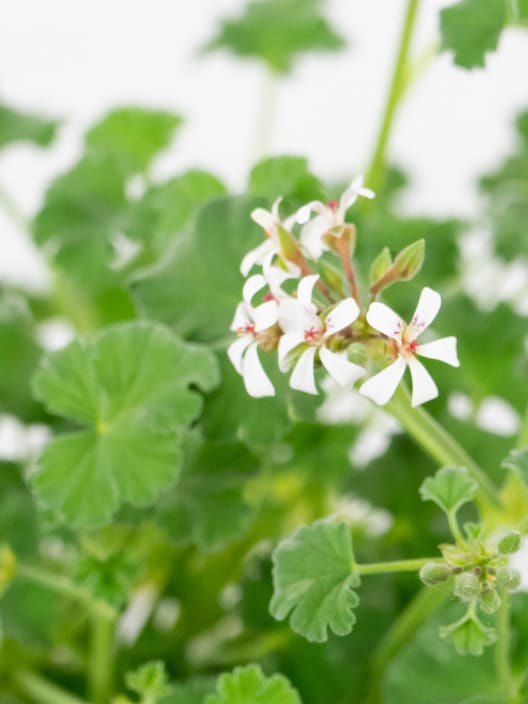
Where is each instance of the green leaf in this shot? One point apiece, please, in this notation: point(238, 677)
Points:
point(207, 508)
point(16, 126)
point(149, 681)
point(450, 488)
point(469, 636)
point(471, 28)
point(249, 685)
point(314, 581)
point(286, 176)
point(517, 461)
point(265, 31)
point(197, 290)
point(128, 388)
point(132, 136)
point(192, 692)
point(107, 579)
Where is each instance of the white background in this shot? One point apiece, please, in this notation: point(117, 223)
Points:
point(74, 59)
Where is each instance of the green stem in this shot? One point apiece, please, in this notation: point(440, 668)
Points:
point(396, 91)
point(522, 440)
point(12, 210)
point(266, 114)
point(408, 622)
point(502, 650)
point(455, 528)
point(394, 566)
point(440, 444)
point(64, 586)
point(41, 691)
point(101, 659)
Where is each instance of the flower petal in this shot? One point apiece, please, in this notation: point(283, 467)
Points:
point(287, 343)
point(264, 218)
point(236, 350)
point(241, 318)
point(257, 256)
point(423, 387)
point(265, 315)
point(303, 378)
point(305, 290)
point(303, 214)
point(275, 209)
point(426, 311)
point(341, 316)
point(251, 286)
point(384, 319)
point(381, 387)
point(256, 380)
point(293, 317)
point(312, 236)
point(444, 349)
point(340, 369)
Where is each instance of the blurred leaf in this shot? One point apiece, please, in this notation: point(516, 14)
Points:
point(517, 461)
point(450, 488)
point(107, 579)
point(19, 526)
point(471, 28)
point(266, 32)
point(149, 681)
point(197, 290)
point(207, 507)
point(286, 176)
point(314, 580)
point(129, 386)
point(249, 685)
point(192, 692)
point(131, 136)
point(17, 126)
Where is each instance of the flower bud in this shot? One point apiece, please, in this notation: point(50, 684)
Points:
point(332, 277)
point(357, 353)
point(380, 266)
point(490, 600)
point(507, 579)
point(434, 573)
point(409, 261)
point(510, 543)
point(467, 586)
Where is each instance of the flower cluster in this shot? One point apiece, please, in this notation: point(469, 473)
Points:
point(296, 306)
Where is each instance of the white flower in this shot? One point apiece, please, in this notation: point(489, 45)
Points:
point(270, 221)
point(249, 322)
point(301, 324)
point(329, 215)
point(382, 386)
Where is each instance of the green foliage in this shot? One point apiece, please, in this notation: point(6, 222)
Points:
point(249, 685)
point(18, 126)
point(469, 636)
point(150, 681)
point(471, 28)
point(265, 31)
point(314, 580)
point(517, 461)
point(128, 390)
point(450, 488)
point(288, 176)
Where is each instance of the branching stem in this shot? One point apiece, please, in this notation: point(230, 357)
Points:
point(39, 690)
point(393, 566)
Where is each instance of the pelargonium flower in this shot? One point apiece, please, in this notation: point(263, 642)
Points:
point(251, 324)
point(381, 387)
point(329, 216)
point(302, 326)
point(270, 221)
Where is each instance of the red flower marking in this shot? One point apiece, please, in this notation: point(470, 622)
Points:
point(333, 204)
point(246, 329)
point(411, 347)
point(312, 335)
point(268, 296)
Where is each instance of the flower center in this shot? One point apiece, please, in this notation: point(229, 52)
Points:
point(333, 204)
point(410, 347)
point(268, 297)
point(312, 335)
point(248, 329)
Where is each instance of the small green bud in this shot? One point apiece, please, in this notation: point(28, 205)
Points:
point(289, 246)
point(409, 261)
point(380, 266)
point(507, 579)
point(434, 573)
point(332, 277)
point(510, 543)
point(472, 530)
point(357, 353)
point(490, 600)
point(467, 586)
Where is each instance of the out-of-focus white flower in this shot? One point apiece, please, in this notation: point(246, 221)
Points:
point(248, 323)
point(270, 221)
point(329, 215)
point(301, 324)
point(381, 387)
point(519, 561)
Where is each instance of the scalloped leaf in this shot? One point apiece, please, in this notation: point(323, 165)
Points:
point(450, 488)
point(249, 685)
point(314, 580)
point(129, 391)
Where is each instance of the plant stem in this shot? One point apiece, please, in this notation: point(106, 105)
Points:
point(12, 210)
point(266, 114)
point(396, 91)
point(415, 614)
point(64, 586)
point(522, 440)
point(394, 566)
point(41, 691)
point(455, 528)
point(100, 665)
point(440, 444)
point(502, 650)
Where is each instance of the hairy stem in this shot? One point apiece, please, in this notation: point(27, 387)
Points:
point(101, 658)
point(439, 443)
point(41, 691)
point(394, 566)
point(396, 91)
point(502, 651)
